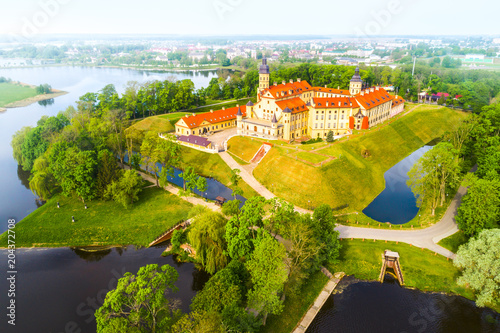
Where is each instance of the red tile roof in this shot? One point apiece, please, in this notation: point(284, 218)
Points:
point(295, 104)
point(297, 88)
point(397, 101)
point(372, 99)
point(333, 102)
point(212, 117)
point(332, 91)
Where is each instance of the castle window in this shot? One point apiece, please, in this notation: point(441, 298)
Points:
point(328, 125)
point(321, 117)
point(317, 117)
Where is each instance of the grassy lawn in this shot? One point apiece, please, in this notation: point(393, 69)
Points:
point(310, 157)
point(421, 268)
point(454, 241)
point(352, 179)
point(103, 223)
point(10, 92)
point(212, 165)
point(296, 306)
point(157, 124)
point(243, 148)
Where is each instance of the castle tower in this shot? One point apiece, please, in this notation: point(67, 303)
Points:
point(355, 83)
point(239, 123)
point(263, 75)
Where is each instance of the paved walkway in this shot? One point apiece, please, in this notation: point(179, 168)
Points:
point(427, 238)
point(318, 303)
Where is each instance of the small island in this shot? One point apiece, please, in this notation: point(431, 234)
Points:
point(15, 94)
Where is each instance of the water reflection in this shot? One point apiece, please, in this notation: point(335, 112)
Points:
point(23, 176)
point(46, 102)
point(89, 255)
point(362, 306)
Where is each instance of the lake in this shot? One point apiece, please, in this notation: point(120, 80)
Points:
point(16, 199)
point(57, 287)
point(396, 203)
point(362, 306)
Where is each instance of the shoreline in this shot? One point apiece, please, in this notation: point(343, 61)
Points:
point(151, 68)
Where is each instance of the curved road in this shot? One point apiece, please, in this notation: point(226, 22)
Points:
point(427, 238)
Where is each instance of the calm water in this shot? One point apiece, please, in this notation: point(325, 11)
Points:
point(16, 200)
point(59, 286)
point(396, 203)
point(387, 308)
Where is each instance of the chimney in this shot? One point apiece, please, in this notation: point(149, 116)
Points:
point(291, 81)
point(298, 79)
point(362, 93)
point(275, 84)
point(211, 111)
point(338, 87)
point(377, 88)
point(371, 89)
point(283, 82)
point(340, 103)
point(325, 85)
point(193, 114)
point(237, 105)
point(223, 108)
point(326, 103)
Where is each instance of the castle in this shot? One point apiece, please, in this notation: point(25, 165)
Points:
point(293, 110)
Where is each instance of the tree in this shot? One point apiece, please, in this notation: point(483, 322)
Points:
point(17, 144)
point(200, 322)
point(479, 260)
point(323, 225)
point(268, 276)
point(235, 176)
point(116, 120)
point(77, 174)
point(126, 189)
point(207, 236)
point(303, 251)
point(33, 146)
point(434, 172)
point(243, 230)
point(281, 215)
point(139, 303)
point(231, 207)
point(189, 179)
point(480, 207)
point(41, 180)
point(108, 171)
point(201, 184)
point(329, 137)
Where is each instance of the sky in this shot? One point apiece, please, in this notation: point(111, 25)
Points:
point(250, 17)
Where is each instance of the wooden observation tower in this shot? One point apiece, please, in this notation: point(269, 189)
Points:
point(390, 259)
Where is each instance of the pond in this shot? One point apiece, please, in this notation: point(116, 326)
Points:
point(55, 287)
point(396, 203)
point(16, 199)
point(362, 306)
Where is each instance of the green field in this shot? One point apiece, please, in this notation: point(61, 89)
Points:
point(244, 148)
point(212, 165)
point(103, 223)
point(157, 124)
point(10, 92)
point(352, 179)
point(454, 241)
point(421, 268)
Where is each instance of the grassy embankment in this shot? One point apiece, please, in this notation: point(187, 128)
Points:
point(165, 123)
point(103, 223)
point(10, 92)
point(350, 179)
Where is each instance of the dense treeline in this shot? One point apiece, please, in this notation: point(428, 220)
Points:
point(251, 269)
